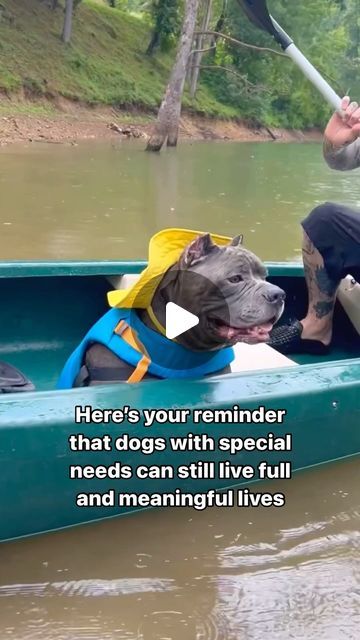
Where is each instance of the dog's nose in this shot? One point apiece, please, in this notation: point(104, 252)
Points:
point(274, 295)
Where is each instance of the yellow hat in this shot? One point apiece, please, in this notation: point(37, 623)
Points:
point(165, 249)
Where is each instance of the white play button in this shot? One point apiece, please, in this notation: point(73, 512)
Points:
point(178, 320)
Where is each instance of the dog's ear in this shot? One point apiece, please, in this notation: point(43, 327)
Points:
point(197, 250)
point(235, 242)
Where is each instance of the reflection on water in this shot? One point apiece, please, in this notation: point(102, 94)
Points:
point(105, 201)
point(256, 574)
point(180, 574)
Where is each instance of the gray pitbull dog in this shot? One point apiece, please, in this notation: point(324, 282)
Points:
point(224, 286)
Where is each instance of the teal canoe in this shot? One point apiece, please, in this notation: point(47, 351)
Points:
point(45, 310)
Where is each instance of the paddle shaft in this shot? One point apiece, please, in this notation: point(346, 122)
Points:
point(306, 67)
point(314, 76)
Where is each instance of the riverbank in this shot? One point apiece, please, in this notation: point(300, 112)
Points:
point(67, 122)
point(54, 93)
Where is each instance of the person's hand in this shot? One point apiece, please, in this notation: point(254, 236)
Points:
point(343, 128)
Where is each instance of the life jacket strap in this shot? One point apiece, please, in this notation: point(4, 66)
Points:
point(129, 335)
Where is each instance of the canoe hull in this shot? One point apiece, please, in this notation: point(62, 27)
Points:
point(322, 416)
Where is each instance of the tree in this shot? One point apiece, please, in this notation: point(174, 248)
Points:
point(167, 124)
point(70, 6)
point(165, 14)
point(199, 47)
point(66, 33)
point(219, 26)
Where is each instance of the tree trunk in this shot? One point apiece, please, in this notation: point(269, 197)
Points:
point(167, 124)
point(218, 28)
point(66, 34)
point(199, 44)
point(154, 43)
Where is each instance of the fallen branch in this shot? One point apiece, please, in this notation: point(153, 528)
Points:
point(271, 133)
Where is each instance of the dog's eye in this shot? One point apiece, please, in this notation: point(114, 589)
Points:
point(235, 279)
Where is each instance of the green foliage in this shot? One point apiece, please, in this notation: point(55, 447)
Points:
point(105, 62)
point(9, 81)
point(351, 18)
point(270, 88)
point(33, 86)
point(166, 18)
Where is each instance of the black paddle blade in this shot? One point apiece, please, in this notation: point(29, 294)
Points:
point(257, 12)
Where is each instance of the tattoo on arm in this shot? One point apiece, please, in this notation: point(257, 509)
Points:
point(328, 146)
point(344, 157)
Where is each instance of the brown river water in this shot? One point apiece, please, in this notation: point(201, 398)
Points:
point(178, 574)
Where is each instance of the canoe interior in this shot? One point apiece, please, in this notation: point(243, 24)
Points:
point(44, 315)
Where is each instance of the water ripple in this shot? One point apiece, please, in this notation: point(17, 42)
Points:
point(89, 588)
point(234, 557)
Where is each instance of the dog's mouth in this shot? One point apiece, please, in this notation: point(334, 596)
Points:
point(253, 334)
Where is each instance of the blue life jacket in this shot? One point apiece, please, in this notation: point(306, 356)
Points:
point(167, 358)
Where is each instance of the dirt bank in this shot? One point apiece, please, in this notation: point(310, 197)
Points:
point(62, 121)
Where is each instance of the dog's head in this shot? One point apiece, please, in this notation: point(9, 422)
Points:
point(226, 288)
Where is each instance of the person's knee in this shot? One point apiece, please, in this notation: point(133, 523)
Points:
point(323, 214)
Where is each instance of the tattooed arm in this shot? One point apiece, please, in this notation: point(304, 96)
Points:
point(342, 137)
point(342, 158)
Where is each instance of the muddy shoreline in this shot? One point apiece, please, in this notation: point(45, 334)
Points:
point(64, 122)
